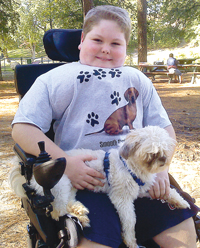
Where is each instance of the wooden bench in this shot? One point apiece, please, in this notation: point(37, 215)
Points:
point(194, 74)
point(154, 73)
point(170, 75)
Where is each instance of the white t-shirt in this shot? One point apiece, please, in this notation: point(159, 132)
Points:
point(90, 100)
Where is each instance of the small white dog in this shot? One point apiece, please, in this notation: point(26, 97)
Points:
point(130, 171)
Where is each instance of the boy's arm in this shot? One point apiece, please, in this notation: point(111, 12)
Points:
point(161, 187)
point(81, 176)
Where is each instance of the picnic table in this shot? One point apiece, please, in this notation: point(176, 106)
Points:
point(153, 70)
point(195, 71)
point(186, 61)
point(146, 67)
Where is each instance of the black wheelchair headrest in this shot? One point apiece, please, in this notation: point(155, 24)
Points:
point(62, 44)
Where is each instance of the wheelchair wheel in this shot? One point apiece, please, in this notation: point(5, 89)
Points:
point(35, 243)
point(73, 233)
point(31, 237)
point(30, 243)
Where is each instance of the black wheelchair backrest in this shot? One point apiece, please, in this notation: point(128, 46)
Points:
point(60, 45)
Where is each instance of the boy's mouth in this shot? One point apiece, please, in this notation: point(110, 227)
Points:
point(103, 59)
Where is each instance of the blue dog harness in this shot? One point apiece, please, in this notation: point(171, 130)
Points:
point(107, 167)
point(106, 164)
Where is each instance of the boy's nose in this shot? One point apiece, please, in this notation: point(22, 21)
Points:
point(105, 49)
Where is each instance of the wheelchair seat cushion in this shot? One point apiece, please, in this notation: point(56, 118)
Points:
point(62, 44)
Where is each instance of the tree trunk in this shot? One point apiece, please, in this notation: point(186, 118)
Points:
point(87, 5)
point(50, 17)
point(1, 76)
point(142, 30)
point(33, 51)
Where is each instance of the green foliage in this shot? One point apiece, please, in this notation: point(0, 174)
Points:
point(8, 17)
point(23, 22)
point(20, 52)
point(8, 24)
point(60, 14)
point(171, 22)
point(36, 17)
point(184, 12)
point(193, 35)
point(164, 36)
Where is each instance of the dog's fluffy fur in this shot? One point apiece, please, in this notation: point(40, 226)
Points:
point(145, 153)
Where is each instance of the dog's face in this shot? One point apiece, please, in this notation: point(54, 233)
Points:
point(131, 95)
point(147, 149)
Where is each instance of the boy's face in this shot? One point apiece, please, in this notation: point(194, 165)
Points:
point(104, 46)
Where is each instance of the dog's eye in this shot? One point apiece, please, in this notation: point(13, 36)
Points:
point(157, 156)
point(163, 159)
point(151, 159)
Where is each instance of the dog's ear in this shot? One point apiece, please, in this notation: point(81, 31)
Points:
point(127, 149)
point(126, 94)
point(124, 151)
point(136, 93)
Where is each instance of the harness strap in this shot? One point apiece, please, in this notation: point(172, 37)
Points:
point(106, 164)
point(137, 180)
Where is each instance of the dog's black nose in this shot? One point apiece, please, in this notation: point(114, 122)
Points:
point(132, 99)
point(162, 159)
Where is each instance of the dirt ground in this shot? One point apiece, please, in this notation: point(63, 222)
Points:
point(182, 102)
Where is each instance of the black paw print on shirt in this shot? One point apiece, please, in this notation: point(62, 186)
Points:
point(116, 98)
point(100, 73)
point(92, 119)
point(115, 73)
point(84, 76)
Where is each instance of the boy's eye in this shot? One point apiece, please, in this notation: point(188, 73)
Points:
point(116, 44)
point(97, 40)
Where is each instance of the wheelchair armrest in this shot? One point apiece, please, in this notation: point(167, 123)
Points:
point(47, 172)
point(23, 156)
point(26, 162)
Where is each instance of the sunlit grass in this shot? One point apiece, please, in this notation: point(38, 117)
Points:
point(20, 52)
point(25, 53)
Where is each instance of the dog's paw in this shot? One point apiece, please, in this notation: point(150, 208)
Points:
point(180, 204)
point(129, 238)
point(78, 210)
point(177, 200)
point(184, 204)
point(84, 220)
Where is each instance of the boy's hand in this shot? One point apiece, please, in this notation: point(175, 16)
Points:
point(80, 175)
point(161, 187)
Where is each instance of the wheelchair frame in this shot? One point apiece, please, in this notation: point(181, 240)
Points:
point(43, 230)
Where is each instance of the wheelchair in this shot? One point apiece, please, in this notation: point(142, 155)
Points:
point(44, 232)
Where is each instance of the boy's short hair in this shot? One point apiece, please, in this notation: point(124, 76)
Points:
point(108, 12)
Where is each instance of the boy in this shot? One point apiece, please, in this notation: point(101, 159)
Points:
point(81, 96)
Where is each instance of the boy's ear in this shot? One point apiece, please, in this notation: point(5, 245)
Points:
point(82, 38)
